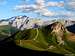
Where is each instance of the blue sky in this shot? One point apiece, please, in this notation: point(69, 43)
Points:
point(53, 8)
point(6, 9)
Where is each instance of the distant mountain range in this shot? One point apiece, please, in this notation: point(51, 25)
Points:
point(53, 38)
point(43, 35)
point(24, 22)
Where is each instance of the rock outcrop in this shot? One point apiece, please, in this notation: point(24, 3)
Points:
point(58, 30)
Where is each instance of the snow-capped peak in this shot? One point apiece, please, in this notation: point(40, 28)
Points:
point(24, 22)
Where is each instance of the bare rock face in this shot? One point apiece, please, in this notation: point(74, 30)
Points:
point(58, 30)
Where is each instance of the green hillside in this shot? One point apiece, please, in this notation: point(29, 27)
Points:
point(6, 31)
point(41, 39)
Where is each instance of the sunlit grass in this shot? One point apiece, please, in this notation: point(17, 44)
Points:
point(43, 41)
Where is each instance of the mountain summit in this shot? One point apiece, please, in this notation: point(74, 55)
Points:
point(58, 30)
point(24, 22)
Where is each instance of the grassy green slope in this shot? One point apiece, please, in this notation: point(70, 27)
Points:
point(6, 31)
point(31, 35)
point(41, 39)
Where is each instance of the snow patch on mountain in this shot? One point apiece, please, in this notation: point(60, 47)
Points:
point(24, 22)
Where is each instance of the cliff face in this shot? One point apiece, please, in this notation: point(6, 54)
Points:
point(57, 27)
point(58, 30)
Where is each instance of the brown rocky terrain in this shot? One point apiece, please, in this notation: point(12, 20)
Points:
point(71, 37)
point(58, 29)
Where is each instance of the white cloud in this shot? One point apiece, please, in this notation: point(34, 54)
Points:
point(70, 5)
point(40, 7)
point(58, 4)
point(27, 8)
point(69, 14)
point(46, 12)
point(41, 2)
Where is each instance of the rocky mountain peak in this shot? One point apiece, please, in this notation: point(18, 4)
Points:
point(58, 30)
point(57, 27)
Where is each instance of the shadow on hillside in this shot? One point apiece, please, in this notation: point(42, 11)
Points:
point(9, 48)
point(71, 28)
